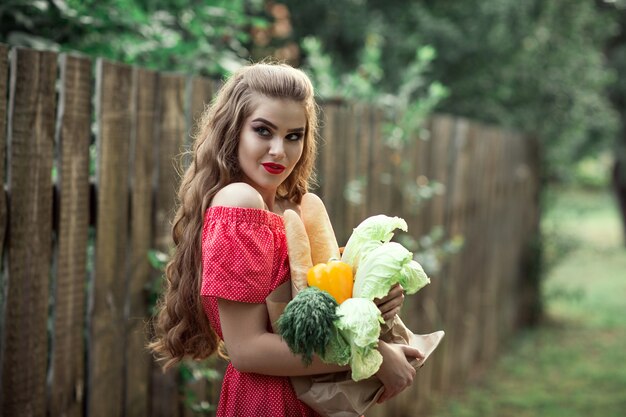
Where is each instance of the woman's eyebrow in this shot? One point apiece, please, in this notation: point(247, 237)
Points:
point(273, 126)
point(267, 122)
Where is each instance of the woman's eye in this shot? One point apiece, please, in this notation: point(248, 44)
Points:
point(262, 131)
point(294, 136)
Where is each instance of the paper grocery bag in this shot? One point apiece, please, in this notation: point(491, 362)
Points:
point(336, 394)
point(277, 301)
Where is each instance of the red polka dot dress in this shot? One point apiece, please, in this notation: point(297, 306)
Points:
point(244, 258)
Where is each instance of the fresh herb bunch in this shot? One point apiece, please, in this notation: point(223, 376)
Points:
point(307, 324)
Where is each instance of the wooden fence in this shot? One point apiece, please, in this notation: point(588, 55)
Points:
point(73, 313)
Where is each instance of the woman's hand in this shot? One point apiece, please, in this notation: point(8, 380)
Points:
point(396, 373)
point(390, 305)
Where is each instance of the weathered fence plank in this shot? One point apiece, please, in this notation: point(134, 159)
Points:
point(171, 116)
point(342, 150)
point(330, 188)
point(492, 242)
point(424, 309)
point(453, 270)
point(73, 138)
point(106, 343)
point(30, 143)
point(172, 132)
point(480, 228)
point(441, 128)
point(199, 97)
point(412, 168)
point(380, 166)
point(4, 73)
point(202, 90)
point(142, 172)
point(352, 145)
point(469, 281)
point(364, 140)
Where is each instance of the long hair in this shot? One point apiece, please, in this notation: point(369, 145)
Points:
point(181, 327)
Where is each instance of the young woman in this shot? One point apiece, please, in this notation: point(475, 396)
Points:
point(252, 159)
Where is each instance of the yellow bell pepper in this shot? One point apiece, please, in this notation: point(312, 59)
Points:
point(334, 277)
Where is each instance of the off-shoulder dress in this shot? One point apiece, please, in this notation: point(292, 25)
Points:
point(244, 258)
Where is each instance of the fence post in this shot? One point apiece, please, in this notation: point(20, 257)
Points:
point(67, 382)
point(30, 144)
point(172, 130)
point(106, 330)
point(142, 170)
point(4, 73)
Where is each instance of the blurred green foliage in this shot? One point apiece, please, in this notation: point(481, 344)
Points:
point(535, 66)
point(593, 171)
point(198, 36)
point(407, 106)
point(541, 67)
point(195, 377)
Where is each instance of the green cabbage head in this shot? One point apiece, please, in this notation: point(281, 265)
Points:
point(359, 323)
point(385, 266)
point(370, 234)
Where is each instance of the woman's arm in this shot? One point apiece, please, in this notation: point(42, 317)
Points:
point(252, 348)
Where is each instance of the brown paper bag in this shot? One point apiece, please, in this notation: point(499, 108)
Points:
point(336, 394)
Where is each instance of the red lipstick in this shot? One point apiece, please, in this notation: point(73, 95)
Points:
point(273, 168)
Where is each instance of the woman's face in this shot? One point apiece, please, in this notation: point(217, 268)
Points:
point(271, 142)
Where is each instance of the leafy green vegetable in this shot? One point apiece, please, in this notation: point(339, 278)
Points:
point(307, 324)
point(412, 277)
point(370, 234)
point(338, 349)
point(359, 322)
point(385, 266)
point(365, 363)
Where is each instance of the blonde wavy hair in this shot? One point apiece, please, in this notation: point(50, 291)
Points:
point(181, 326)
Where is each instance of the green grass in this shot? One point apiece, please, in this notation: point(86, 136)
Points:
point(574, 364)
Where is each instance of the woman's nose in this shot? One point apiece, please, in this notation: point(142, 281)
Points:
point(277, 148)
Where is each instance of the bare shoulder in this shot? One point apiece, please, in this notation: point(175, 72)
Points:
point(238, 194)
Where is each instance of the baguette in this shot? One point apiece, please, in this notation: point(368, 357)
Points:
point(319, 229)
point(298, 249)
